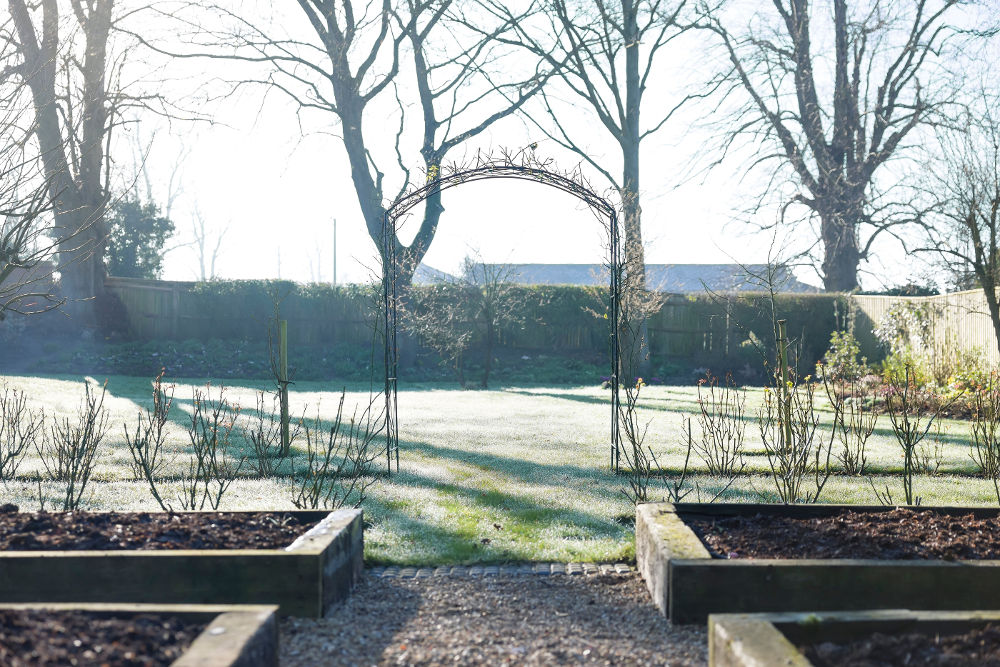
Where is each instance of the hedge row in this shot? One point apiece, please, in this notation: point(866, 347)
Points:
point(701, 329)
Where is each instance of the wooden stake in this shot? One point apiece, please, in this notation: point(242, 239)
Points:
point(785, 395)
point(283, 383)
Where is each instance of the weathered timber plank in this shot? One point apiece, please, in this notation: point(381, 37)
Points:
point(235, 639)
point(699, 587)
point(747, 640)
point(304, 579)
point(758, 640)
point(808, 511)
point(660, 536)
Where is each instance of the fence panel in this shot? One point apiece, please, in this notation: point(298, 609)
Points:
point(958, 321)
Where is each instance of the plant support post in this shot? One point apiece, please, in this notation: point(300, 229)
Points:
point(283, 383)
point(785, 395)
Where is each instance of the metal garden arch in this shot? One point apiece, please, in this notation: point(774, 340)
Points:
point(522, 166)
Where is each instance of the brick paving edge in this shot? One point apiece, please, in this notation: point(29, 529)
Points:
point(509, 569)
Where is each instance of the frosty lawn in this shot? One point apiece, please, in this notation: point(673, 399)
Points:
point(485, 476)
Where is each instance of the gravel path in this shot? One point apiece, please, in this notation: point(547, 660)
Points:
point(601, 619)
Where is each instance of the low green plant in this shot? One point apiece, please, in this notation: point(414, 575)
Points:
point(970, 373)
point(842, 360)
point(898, 365)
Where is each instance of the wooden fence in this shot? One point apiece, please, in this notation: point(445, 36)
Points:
point(175, 310)
point(958, 321)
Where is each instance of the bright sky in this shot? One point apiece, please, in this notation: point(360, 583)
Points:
point(278, 195)
point(277, 190)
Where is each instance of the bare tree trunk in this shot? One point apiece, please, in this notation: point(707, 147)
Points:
point(841, 257)
point(73, 157)
point(634, 250)
point(994, 305)
point(81, 265)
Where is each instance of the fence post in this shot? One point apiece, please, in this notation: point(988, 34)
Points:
point(283, 383)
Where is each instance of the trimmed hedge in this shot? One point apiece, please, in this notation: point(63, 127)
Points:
point(698, 330)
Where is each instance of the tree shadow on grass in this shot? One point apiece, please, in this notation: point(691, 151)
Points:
point(523, 470)
point(664, 404)
point(475, 514)
point(567, 396)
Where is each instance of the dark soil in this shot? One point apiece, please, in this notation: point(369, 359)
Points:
point(99, 531)
point(898, 534)
point(975, 648)
point(33, 637)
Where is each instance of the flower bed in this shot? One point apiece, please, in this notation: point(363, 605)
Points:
point(304, 578)
point(687, 583)
point(180, 635)
point(893, 636)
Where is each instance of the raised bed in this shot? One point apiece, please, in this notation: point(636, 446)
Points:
point(305, 578)
point(687, 584)
point(745, 640)
point(234, 636)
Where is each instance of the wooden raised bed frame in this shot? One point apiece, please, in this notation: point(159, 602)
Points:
point(304, 579)
point(687, 584)
point(750, 640)
point(234, 636)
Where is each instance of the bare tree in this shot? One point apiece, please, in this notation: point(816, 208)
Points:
point(963, 219)
point(315, 260)
point(207, 246)
point(349, 59)
point(603, 54)
point(496, 300)
point(25, 276)
point(831, 93)
point(66, 69)
point(73, 57)
point(141, 150)
point(27, 239)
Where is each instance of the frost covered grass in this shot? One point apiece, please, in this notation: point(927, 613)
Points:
point(485, 476)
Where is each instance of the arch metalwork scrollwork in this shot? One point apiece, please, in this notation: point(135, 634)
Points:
point(521, 166)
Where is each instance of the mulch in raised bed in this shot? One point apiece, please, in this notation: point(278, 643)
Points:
point(898, 534)
point(37, 637)
point(100, 531)
point(974, 648)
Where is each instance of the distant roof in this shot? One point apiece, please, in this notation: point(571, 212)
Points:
point(428, 275)
point(674, 278)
